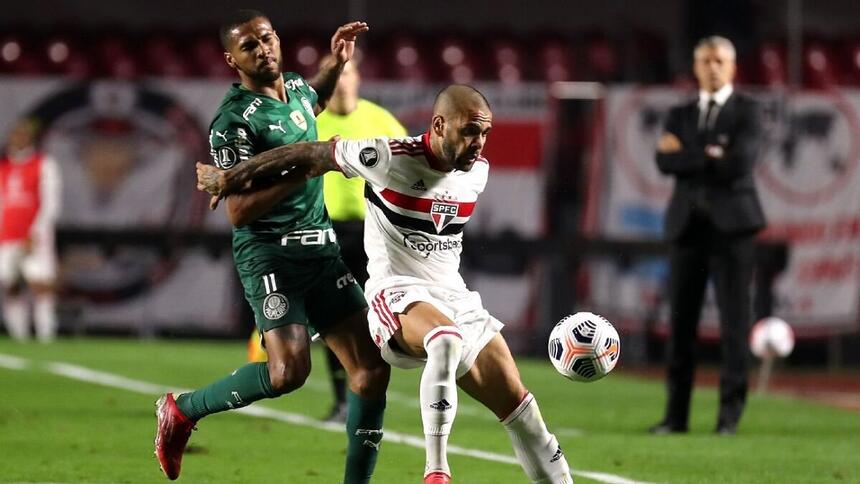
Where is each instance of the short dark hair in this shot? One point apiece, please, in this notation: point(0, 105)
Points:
point(234, 20)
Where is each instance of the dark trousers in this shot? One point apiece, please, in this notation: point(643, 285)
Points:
point(704, 252)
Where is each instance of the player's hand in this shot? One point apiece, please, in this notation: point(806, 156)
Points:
point(213, 202)
point(668, 144)
point(343, 40)
point(210, 180)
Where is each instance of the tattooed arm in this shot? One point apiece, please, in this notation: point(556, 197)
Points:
point(297, 162)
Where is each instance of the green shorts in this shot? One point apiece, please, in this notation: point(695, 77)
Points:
point(318, 293)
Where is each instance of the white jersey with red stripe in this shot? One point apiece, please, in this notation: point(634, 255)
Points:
point(415, 212)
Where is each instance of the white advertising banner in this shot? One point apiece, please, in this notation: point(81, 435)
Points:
point(809, 183)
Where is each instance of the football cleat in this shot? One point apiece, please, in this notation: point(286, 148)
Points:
point(437, 478)
point(171, 436)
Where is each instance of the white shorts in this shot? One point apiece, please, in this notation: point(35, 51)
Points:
point(39, 264)
point(392, 296)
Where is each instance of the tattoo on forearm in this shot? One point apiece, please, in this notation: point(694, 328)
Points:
point(306, 160)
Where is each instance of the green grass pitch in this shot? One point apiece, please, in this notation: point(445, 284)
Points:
point(63, 430)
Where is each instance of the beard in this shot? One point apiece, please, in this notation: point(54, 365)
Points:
point(268, 76)
point(264, 76)
point(449, 151)
point(457, 161)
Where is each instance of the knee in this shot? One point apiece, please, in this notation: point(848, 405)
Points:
point(444, 340)
point(370, 382)
point(287, 377)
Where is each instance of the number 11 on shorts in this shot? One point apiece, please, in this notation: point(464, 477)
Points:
point(269, 282)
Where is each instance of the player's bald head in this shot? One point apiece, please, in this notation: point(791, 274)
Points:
point(458, 98)
point(461, 122)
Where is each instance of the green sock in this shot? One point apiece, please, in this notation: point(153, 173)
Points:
point(364, 436)
point(247, 384)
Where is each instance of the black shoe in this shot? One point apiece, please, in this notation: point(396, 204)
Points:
point(727, 429)
point(664, 428)
point(337, 414)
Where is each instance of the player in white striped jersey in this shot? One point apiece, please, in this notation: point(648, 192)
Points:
point(420, 193)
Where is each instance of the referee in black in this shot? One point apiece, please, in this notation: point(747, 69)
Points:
point(710, 146)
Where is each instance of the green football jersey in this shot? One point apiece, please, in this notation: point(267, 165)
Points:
point(248, 123)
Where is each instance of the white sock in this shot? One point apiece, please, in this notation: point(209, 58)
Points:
point(438, 395)
point(17, 317)
point(45, 317)
point(537, 450)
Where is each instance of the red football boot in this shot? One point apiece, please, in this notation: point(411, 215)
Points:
point(174, 428)
point(437, 478)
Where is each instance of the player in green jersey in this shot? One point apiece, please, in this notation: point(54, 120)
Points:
point(351, 117)
point(285, 252)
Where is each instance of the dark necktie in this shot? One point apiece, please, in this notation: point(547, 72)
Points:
point(707, 121)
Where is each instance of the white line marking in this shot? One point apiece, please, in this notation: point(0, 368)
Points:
point(568, 431)
point(117, 381)
point(13, 362)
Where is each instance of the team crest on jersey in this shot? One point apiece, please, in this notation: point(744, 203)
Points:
point(442, 214)
point(275, 306)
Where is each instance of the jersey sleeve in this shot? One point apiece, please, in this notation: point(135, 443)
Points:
point(231, 140)
point(369, 159)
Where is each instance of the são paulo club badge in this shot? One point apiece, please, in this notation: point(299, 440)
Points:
point(442, 214)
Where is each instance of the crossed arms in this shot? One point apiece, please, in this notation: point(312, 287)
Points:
point(686, 157)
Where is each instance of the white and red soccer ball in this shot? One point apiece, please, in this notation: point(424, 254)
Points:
point(584, 347)
point(771, 337)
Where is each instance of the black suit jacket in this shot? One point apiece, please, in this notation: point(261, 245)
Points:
point(722, 189)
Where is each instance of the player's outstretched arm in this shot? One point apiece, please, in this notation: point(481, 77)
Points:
point(342, 50)
point(299, 161)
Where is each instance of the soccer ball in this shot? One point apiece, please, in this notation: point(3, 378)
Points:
point(771, 337)
point(584, 347)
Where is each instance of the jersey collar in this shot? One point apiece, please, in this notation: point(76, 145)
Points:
point(428, 153)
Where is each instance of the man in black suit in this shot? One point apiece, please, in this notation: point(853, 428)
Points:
point(710, 146)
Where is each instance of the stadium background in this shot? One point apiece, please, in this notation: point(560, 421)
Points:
point(572, 214)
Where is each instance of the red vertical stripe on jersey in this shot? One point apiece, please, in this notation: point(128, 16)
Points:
point(381, 314)
point(423, 205)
